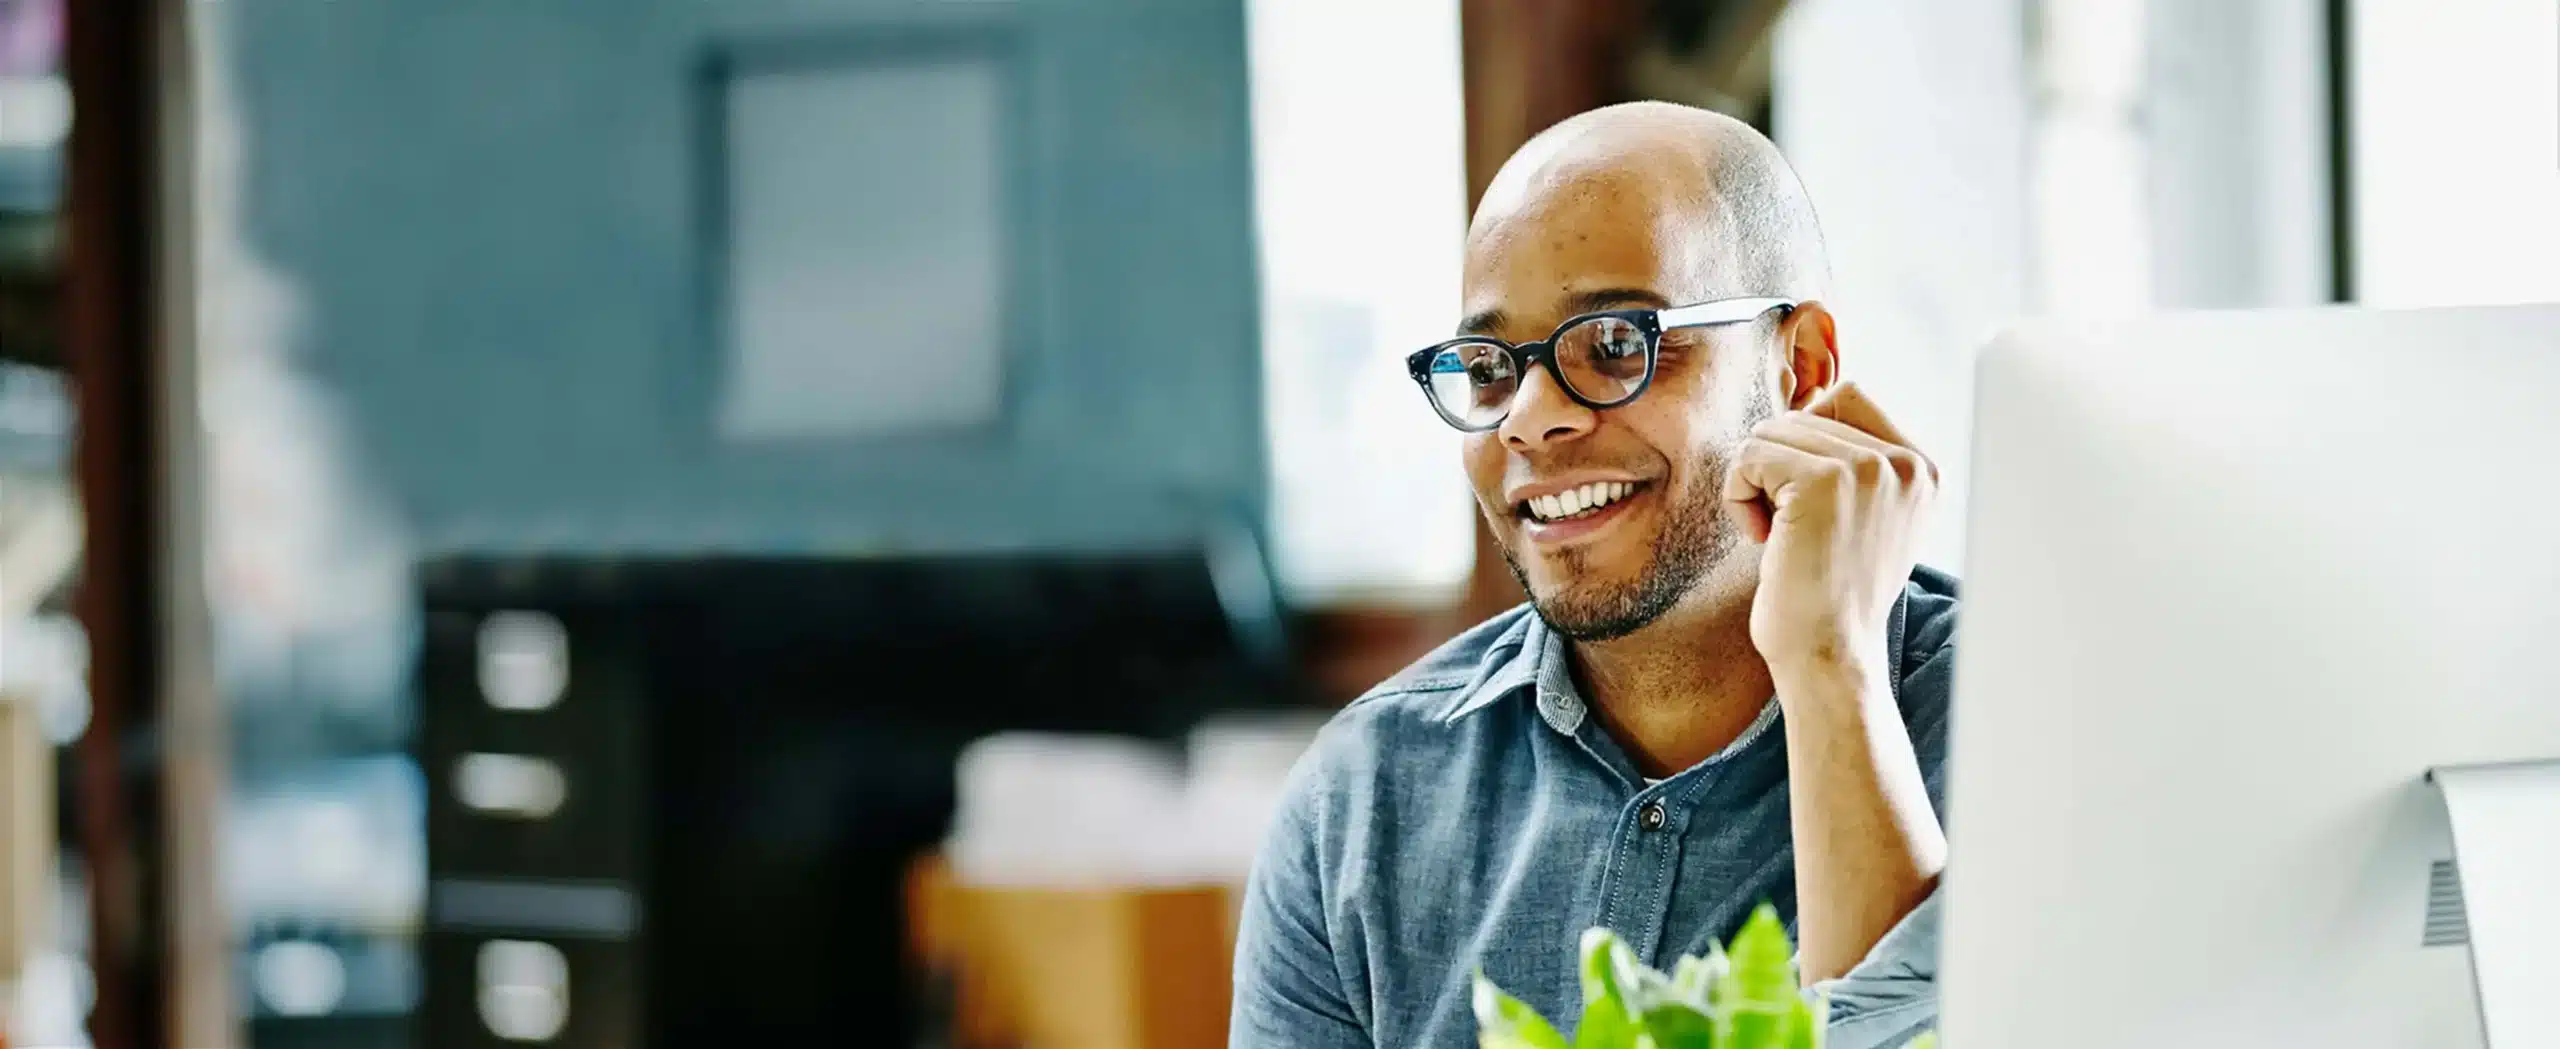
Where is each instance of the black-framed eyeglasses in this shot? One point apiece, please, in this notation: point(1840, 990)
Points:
point(1601, 360)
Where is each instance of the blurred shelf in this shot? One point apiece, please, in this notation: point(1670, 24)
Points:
point(330, 1032)
point(30, 259)
point(325, 978)
point(35, 418)
point(335, 847)
point(30, 179)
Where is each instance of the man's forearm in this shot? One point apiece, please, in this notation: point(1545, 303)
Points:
point(1868, 845)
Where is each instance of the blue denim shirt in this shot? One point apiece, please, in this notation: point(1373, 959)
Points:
point(1470, 812)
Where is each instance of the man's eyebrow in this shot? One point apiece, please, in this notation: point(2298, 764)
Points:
point(1575, 305)
point(1582, 302)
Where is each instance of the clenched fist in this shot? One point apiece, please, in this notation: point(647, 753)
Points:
point(1839, 496)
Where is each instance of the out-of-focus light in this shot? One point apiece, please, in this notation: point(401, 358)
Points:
point(2092, 243)
point(54, 994)
point(35, 112)
point(2456, 179)
point(329, 839)
point(524, 990)
point(1367, 507)
point(47, 660)
point(2093, 49)
point(524, 660)
point(2090, 201)
point(510, 785)
point(299, 978)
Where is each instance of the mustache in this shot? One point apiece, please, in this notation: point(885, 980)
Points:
point(1524, 470)
point(1530, 468)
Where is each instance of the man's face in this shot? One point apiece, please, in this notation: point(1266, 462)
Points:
point(1608, 571)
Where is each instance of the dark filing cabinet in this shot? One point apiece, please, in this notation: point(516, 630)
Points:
point(701, 840)
point(533, 739)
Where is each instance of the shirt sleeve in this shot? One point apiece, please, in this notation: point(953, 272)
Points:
point(1891, 995)
point(1288, 991)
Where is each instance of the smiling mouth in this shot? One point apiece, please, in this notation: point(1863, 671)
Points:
point(1575, 503)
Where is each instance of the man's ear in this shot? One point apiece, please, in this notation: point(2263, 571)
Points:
point(1812, 354)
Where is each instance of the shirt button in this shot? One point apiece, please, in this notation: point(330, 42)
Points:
point(1651, 817)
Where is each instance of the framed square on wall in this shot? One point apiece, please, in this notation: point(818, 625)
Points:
point(860, 237)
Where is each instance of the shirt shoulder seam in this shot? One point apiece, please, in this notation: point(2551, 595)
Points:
point(1421, 686)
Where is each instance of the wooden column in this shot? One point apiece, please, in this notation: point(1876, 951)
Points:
point(149, 778)
point(109, 283)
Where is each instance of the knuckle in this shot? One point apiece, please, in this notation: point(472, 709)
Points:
point(1870, 468)
point(1910, 466)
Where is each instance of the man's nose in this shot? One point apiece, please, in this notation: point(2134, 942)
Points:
point(1543, 414)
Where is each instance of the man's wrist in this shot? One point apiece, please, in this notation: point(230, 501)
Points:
point(1832, 674)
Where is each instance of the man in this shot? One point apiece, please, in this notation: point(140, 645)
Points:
point(1730, 682)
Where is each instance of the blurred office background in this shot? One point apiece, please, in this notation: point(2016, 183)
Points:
point(669, 522)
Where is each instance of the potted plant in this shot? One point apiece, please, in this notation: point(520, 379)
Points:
point(1745, 997)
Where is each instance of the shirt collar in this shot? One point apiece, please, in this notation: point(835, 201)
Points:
point(1529, 656)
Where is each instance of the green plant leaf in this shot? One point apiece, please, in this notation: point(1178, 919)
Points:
point(1680, 1026)
point(1805, 1025)
point(1605, 1025)
point(1601, 950)
point(1694, 978)
point(1612, 979)
point(1751, 1027)
point(1756, 1002)
point(1505, 1022)
point(1640, 987)
point(1763, 969)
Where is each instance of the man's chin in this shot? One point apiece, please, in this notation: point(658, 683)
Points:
point(1623, 581)
point(1594, 612)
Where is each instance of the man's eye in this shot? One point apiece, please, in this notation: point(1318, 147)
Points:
point(1678, 344)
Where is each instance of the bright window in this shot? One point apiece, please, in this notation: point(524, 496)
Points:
point(1360, 186)
point(2456, 143)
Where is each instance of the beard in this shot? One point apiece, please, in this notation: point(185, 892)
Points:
point(1696, 537)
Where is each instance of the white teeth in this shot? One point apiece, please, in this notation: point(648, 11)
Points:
point(1577, 501)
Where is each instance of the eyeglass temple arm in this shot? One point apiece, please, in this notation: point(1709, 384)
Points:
point(1721, 311)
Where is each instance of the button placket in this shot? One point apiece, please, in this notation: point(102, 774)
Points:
point(1662, 838)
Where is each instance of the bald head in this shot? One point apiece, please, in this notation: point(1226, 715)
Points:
point(1718, 203)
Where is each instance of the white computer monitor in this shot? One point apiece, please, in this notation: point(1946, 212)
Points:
point(2235, 583)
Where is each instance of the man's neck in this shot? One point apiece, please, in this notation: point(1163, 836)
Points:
point(1681, 689)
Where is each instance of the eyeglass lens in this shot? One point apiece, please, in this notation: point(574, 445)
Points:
point(1602, 359)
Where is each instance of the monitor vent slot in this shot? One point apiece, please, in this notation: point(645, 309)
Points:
point(2446, 926)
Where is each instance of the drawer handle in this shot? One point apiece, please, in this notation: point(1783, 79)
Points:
point(524, 660)
point(524, 990)
point(511, 786)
